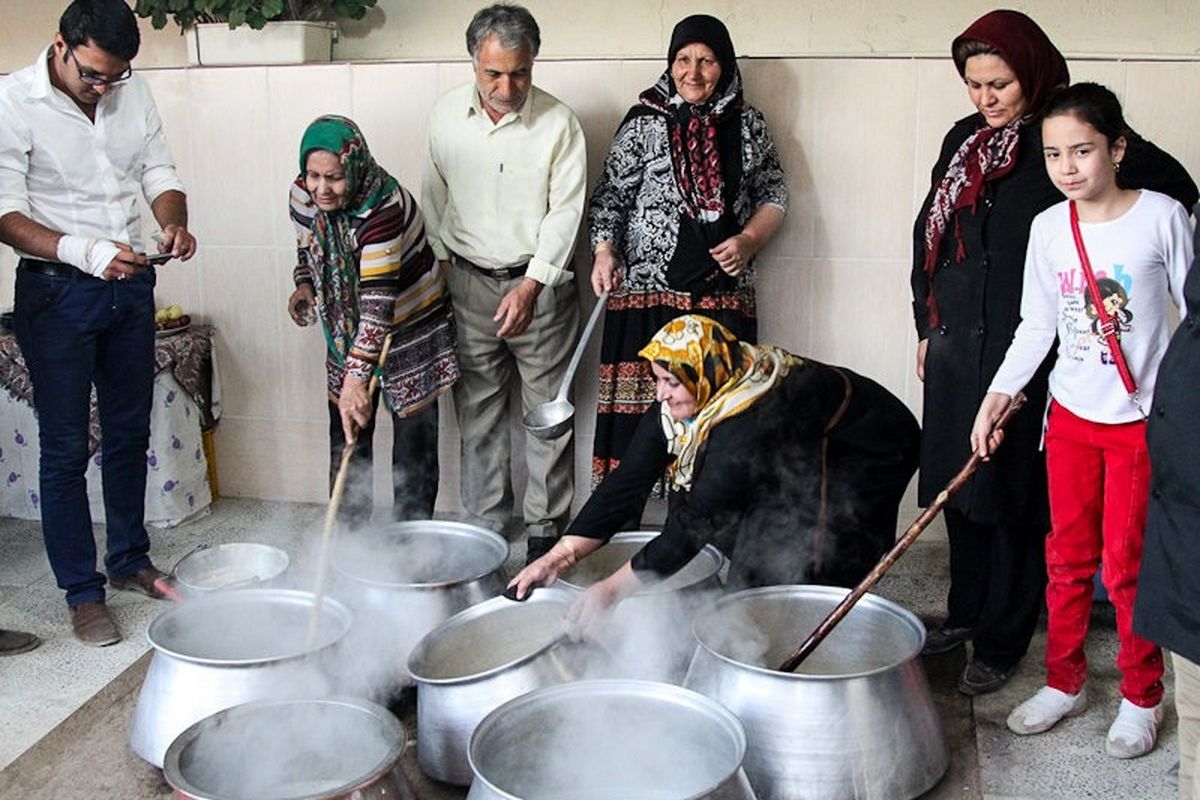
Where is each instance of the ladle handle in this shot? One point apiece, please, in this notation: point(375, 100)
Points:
point(902, 544)
point(601, 301)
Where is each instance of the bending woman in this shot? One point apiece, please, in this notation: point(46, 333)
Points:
point(364, 266)
point(691, 190)
point(792, 468)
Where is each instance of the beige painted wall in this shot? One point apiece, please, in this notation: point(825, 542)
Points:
point(857, 136)
point(433, 29)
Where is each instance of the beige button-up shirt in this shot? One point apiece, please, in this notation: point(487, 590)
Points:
point(507, 193)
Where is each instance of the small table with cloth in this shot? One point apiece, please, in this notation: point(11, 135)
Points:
point(187, 405)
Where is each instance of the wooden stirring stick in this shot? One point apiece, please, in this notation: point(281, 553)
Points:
point(843, 608)
point(335, 501)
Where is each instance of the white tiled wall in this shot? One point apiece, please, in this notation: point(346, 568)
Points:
point(857, 137)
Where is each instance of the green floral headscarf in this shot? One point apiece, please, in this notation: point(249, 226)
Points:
point(331, 254)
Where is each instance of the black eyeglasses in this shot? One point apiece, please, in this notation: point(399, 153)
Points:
point(93, 78)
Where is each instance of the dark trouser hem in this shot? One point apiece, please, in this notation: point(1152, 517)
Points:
point(414, 466)
point(999, 573)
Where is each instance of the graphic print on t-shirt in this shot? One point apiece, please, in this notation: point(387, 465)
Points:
point(1081, 317)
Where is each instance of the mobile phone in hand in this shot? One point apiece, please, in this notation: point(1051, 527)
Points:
point(157, 258)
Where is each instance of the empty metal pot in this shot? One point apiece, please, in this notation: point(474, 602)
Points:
point(291, 750)
point(228, 648)
point(478, 660)
point(209, 568)
point(856, 720)
point(405, 579)
point(599, 740)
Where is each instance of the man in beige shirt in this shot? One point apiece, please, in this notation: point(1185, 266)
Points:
point(503, 196)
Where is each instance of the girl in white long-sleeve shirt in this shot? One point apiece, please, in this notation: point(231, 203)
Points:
point(1140, 245)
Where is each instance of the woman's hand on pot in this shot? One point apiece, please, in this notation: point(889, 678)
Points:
point(542, 572)
point(605, 272)
point(985, 436)
point(354, 404)
point(587, 614)
point(301, 305)
point(733, 254)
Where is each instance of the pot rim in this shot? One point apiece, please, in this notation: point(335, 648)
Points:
point(426, 527)
point(715, 557)
point(624, 687)
point(329, 606)
point(386, 764)
point(835, 593)
point(542, 595)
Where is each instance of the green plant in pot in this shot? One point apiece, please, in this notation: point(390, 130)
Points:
point(255, 13)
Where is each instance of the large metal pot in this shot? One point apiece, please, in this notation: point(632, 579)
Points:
point(855, 721)
point(598, 740)
point(650, 631)
point(702, 572)
point(291, 750)
point(404, 580)
point(228, 648)
point(479, 659)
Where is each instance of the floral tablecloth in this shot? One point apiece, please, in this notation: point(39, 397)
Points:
point(186, 403)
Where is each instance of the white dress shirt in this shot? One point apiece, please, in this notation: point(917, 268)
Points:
point(74, 176)
point(504, 194)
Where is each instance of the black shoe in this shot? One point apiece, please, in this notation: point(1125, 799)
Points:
point(538, 546)
point(943, 640)
point(979, 677)
point(15, 642)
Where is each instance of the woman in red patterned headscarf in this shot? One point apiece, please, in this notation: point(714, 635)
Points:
point(968, 261)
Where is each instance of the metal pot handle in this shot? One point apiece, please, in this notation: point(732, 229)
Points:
point(189, 553)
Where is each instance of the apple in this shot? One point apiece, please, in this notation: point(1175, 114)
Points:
point(175, 312)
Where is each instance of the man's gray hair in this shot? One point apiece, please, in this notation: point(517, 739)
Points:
point(513, 25)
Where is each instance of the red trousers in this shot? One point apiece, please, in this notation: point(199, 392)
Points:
point(1099, 478)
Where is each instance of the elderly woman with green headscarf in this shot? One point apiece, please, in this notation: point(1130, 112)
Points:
point(364, 270)
point(792, 468)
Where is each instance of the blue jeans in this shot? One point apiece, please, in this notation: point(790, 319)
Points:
point(76, 331)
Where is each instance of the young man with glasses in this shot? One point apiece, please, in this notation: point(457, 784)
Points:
point(80, 139)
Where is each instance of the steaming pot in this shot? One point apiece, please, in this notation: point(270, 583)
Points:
point(331, 749)
point(227, 648)
point(481, 658)
point(596, 740)
point(650, 631)
point(404, 579)
point(855, 721)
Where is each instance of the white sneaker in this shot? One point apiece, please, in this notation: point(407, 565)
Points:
point(1042, 712)
point(1134, 731)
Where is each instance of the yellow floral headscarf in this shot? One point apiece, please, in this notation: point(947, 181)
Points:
point(726, 376)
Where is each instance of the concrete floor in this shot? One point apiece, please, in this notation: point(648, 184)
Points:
point(65, 709)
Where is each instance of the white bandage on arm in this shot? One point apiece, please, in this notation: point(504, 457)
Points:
point(90, 255)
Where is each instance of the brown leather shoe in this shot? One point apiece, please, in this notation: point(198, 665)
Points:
point(149, 581)
point(14, 642)
point(93, 625)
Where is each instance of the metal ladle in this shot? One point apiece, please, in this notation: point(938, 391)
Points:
point(552, 419)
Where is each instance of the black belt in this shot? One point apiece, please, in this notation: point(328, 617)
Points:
point(55, 269)
point(499, 274)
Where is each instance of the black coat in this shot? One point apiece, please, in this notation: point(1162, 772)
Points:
point(1167, 610)
point(756, 488)
point(979, 302)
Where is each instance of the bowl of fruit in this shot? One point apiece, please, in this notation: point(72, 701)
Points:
point(170, 321)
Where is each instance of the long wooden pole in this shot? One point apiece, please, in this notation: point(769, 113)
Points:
point(902, 544)
point(335, 502)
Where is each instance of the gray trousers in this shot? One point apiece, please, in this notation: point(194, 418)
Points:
point(538, 358)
